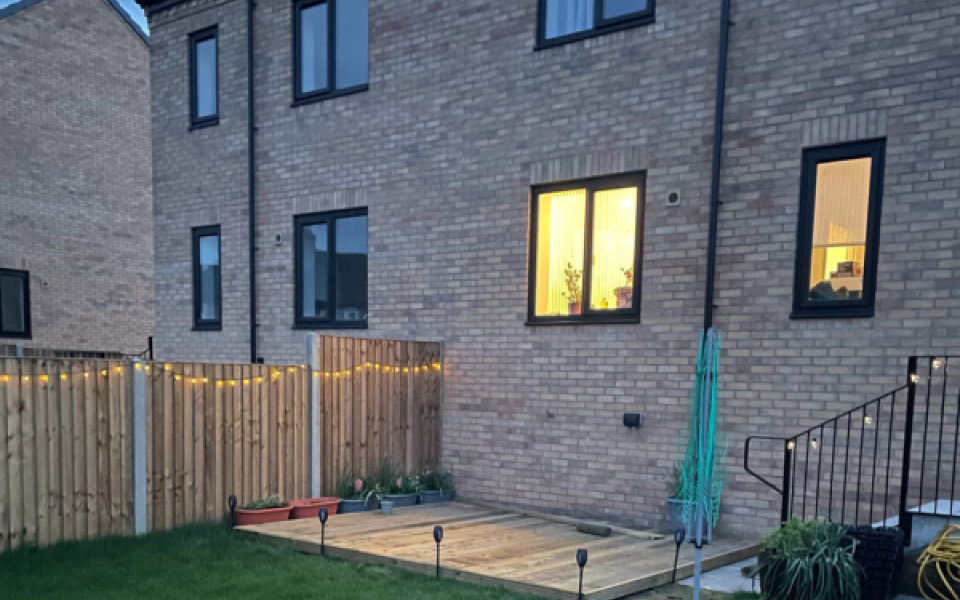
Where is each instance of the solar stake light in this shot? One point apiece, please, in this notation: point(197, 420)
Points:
point(232, 503)
point(323, 529)
point(679, 534)
point(438, 537)
point(581, 562)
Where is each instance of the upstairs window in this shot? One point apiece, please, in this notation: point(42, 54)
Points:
point(206, 278)
point(330, 48)
point(203, 78)
point(838, 231)
point(331, 270)
point(564, 21)
point(585, 251)
point(14, 303)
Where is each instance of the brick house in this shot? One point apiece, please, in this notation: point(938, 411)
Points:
point(439, 170)
point(76, 229)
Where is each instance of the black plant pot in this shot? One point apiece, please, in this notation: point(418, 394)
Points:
point(880, 556)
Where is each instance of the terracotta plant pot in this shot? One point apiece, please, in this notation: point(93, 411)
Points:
point(309, 508)
point(574, 308)
point(259, 517)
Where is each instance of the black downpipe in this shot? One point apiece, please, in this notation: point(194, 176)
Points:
point(717, 154)
point(251, 184)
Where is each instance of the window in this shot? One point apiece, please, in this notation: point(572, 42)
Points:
point(585, 251)
point(331, 269)
point(837, 234)
point(207, 299)
point(203, 78)
point(564, 21)
point(330, 48)
point(14, 303)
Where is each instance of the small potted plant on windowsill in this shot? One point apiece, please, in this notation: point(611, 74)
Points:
point(625, 292)
point(573, 294)
point(436, 486)
point(352, 491)
point(265, 510)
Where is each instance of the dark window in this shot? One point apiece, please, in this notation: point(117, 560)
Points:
point(838, 230)
point(585, 251)
point(14, 303)
point(203, 78)
point(564, 21)
point(330, 48)
point(331, 269)
point(207, 298)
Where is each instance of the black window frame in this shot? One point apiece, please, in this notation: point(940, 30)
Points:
point(330, 218)
point(803, 307)
point(199, 323)
point(601, 26)
point(196, 37)
point(588, 316)
point(27, 332)
point(331, 91)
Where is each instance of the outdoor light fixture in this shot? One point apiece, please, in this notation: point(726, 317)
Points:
point(232, 503)
point(679, 534)
point(438, 537)
point(323, 529)
point(581, 562)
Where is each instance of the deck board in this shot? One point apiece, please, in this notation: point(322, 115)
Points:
point(517, 551)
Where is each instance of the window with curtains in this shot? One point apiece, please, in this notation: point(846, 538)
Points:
point(14, 303)
point(564, 21)
point(585, 251)
point(206, 278)
point(839, 225)
point(331, 270)
point(203, 78)
point(330, 48)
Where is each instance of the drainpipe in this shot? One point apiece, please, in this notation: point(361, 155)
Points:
point(251, 185)
point(715, 171)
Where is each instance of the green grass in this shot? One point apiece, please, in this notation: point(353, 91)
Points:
point(208, 562)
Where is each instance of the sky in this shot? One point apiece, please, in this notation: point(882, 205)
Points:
point(129, 5)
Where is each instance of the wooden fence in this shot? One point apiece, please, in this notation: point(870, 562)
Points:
point(68, 436)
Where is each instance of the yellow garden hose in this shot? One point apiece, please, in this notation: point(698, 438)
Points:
point(943, 554)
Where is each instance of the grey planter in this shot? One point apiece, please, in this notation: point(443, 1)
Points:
point(434, 496)
point(386, 507)
point(355, 506)
point(401, 500)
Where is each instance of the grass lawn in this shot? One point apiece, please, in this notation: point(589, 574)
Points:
point(207, 562)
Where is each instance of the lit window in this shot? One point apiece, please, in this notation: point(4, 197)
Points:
point(206, 278)
point(839, 225)
point(330, 48)
point(203, 78)
point(14, 303)
point(584, 251)
point(331, 269)
point(568, 20)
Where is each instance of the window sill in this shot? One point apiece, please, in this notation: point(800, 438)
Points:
point(309, 326)
point(311, 98)
point(217, 327)
point(593, 320)
point(543, 44)
point(832, 313)
point(204, 124)
point(16, 336)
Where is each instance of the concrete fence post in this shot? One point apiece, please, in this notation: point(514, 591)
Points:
point(313, 366)
point(139, 447)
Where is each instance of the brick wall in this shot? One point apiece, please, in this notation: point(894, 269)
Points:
point(75, 173)
point(463, 116)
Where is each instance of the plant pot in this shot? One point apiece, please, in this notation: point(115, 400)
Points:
point(401, 500)
point(355, 506)
point(676, 513)
point(259, 517)
point(624, 297)
point(574, 308)
point(309, 508)
point(386, 507)
point(434, 496)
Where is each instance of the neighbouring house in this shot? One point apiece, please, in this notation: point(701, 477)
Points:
point(530, 182)
point(76, 211)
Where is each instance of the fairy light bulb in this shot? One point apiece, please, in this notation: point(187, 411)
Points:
point(867, 420)
point(937, 363)
point(814, 444)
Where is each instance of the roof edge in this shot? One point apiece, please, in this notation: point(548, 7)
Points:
point(155, 6)
point(25, 4)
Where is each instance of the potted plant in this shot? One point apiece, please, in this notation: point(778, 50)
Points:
point(265, 510)
point(573, 295)
point(811, 560)
point(395, 487)
point(625, 293)
point(309, 508)
point(351, 492)
point(436, 486)
point(375, 494)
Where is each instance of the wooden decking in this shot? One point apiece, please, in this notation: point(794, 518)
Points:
point(518, 551)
